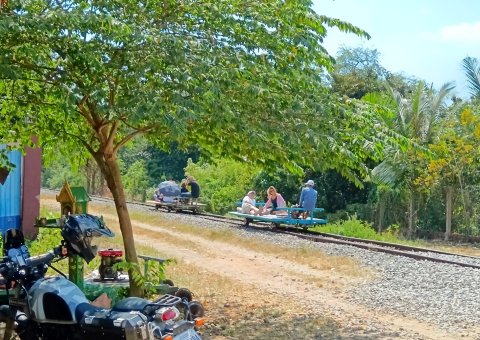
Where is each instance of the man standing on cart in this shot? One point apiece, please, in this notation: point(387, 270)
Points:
point(194, 189)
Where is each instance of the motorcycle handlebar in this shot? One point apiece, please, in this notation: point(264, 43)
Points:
point(34, 261)
point(9, 266)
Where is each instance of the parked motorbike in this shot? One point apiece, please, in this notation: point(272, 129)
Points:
point(45, 308)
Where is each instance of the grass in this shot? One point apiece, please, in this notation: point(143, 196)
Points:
point(363, 230)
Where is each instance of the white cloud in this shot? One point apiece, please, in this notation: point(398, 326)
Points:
point(464, 32)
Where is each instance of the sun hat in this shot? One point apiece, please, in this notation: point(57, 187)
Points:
point(310, 183)
point(251, 192)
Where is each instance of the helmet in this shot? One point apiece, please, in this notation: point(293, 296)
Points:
point(79, 230)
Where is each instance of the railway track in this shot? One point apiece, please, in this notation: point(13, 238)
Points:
point(417, 253)
point(423, 254)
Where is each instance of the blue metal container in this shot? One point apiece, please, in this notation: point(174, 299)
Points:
point(11, 194)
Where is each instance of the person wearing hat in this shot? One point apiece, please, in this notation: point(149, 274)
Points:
point(249, 204)
point(308, 198)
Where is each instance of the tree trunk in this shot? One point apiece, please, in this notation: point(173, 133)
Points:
point(411, 214)
point(382, 205)
point(111, 172)
point(93, 183)
point(89, 177)
point(448, 212)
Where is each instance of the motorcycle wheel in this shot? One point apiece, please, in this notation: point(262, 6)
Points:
point(168, 282)
point(196, 310)
point(184, 293)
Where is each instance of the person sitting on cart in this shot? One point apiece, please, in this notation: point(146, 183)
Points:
point(249, 204)
point(275, 201)
point(308, 199)
point(194, 189)
point(157, 195)
point(184, 193)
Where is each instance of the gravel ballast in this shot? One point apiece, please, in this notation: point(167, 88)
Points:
point(443, 294)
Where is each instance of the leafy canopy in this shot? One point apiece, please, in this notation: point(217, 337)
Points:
point(235, 78)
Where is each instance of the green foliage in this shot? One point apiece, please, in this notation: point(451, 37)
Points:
point(156, 274)
point(171, 163)
point(471, 67)
point(149, 192)
point(199, 75)
point(222, 183)
point(152, 277)
point(454, 163)
point(357, 72)
point(55, 174)
point(47, 239)
point(418, 118)
point(353, 227)
point(160, 164)
point(133, 270)
point(136, 180)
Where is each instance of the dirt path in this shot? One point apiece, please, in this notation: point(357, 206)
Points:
point(251, 294)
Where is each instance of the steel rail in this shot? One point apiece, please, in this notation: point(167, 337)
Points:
point(372, 245)
point(384, 248)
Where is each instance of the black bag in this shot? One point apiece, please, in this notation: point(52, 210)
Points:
point(111, 325)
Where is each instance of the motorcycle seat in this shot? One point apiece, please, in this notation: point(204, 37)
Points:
point(130, 304)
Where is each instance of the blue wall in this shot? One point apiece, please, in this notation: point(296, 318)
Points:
point(11, 194)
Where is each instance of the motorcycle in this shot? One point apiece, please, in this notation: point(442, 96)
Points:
point(45, 308)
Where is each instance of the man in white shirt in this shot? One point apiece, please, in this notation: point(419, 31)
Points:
point(248, 204)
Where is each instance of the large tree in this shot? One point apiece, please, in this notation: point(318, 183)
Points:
point(233, 78)
point(357, 72)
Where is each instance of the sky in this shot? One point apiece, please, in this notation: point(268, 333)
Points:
point(427, 39)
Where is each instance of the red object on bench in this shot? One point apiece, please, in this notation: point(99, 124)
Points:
point(110, 253)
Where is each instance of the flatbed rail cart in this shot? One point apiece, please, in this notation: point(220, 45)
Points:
point(178, 205)
point(287, 217)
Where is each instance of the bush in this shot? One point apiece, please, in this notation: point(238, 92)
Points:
point(222, 184)
point(351, 227)
point(136, 180)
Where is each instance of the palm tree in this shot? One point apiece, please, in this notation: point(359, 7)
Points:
point(471, 67)
point(416, 119)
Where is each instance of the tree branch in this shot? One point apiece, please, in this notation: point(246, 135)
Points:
point(129, 137)
point(112, 134)
point(27, 102)
point(34, 67)
point(30, 79)
point(84, 112)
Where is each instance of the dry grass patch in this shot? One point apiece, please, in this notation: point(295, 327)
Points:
point(238, 310)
